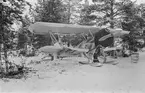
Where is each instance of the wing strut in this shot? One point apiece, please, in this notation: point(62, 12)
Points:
point(92, 37)
point(53, 37)
point(83, 36)
point(91, 33)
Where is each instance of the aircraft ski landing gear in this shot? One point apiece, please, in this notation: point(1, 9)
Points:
point(96, 64)
point(103, 58)
point(89, 55)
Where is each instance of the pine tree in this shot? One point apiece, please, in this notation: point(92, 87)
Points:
point(104, 12)
point(10, 13)
point(50, 11)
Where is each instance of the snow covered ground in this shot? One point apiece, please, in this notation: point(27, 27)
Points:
point(68, 76)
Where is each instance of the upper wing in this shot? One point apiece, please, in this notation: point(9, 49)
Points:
point(44, 27)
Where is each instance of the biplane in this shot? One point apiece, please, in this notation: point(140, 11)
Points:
point(58, 49)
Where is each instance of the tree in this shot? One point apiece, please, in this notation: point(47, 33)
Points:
point(133, 17)
point(9, 14)
point(142, 10)
point(41, 40)
point(24, 35)
point(85, 15)
point(104, 12)
point(72, 10)
point(134, 22)
point(50, 11)
point(134, 25)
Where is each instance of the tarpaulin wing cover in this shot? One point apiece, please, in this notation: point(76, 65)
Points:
point(45, 27)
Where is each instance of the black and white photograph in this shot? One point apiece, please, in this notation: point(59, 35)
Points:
point(72, 46)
